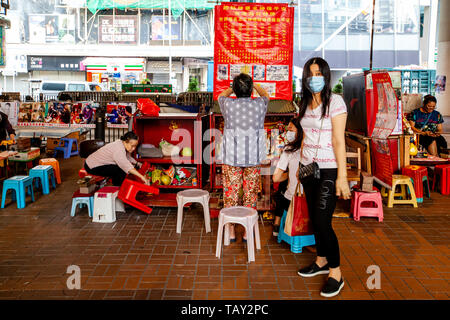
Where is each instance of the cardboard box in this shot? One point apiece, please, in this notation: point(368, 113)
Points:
point(33, 153)
point(88, 189)
point(366, 182)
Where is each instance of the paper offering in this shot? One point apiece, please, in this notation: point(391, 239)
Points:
point(222, 72)
point(259, 72)
point(237, 69)
point(269, 87)
point(278, 73)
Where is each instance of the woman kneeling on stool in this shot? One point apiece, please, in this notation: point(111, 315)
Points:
point(114, 160)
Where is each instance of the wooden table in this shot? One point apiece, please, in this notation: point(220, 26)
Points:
point(4, 163)
point(27, 162)
point(428, 162)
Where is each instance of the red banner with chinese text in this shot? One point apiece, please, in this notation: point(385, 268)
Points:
point(257, 39)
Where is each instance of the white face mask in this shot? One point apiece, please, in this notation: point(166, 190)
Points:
point(290, 136)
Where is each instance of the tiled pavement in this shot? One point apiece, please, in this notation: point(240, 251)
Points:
point(141, 257)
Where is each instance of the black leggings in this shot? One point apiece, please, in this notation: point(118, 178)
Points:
point(110, 171)
point(321, 198)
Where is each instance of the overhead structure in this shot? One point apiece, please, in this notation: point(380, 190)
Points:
point(177, 6)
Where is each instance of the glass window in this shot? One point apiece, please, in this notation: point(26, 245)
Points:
point(75, 87)
point(54, 86)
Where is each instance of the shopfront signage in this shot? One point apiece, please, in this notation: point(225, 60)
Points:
point(46, 63)
point(256, 39)
point(117, 29)
point(163, 67)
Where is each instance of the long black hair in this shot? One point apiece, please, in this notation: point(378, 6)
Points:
point(306, 95)
point(297, 143)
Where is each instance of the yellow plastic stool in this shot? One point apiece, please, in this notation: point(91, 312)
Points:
point(403, 182)
point(402, 193)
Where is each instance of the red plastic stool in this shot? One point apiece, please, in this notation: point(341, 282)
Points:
point(442, 171)
point(129, 190)
point(418, 174)
point(358, 211)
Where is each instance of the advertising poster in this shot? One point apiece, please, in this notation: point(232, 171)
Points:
point(256, 39)
point(385, 152)
point(58, 113)
point(83, 114)
point(118, 115)
point(11, 109)
point(118, 29)
point(160, 28)
point(33, 112)
point(440, 84)
point(51, 28)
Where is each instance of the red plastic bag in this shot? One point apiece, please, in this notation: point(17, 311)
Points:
point(297, 218)
point(148, 107)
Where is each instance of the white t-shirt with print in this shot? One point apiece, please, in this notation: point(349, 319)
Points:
point(290, 160)
point(311, 123)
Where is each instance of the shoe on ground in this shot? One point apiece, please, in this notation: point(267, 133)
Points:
point(332, 288)
point(313, 270)
point(276, 230)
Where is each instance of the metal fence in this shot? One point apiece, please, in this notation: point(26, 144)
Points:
point(104, 97)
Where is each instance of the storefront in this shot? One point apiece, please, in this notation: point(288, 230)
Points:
point(158, 73)
point(110, 73)
point(198, 69)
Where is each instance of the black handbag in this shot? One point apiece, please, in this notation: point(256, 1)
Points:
point(311, 170)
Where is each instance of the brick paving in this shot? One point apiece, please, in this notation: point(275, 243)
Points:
point(142, 257)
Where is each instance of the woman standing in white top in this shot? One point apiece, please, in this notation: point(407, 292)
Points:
point(323, 118)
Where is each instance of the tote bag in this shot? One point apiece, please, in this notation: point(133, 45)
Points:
point(297, 217)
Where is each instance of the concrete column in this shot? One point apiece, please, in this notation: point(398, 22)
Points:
point(443, 57)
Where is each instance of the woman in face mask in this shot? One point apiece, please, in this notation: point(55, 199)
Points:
point(323, 117)
point(289, 160)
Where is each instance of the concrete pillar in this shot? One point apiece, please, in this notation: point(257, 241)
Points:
point(443, 57)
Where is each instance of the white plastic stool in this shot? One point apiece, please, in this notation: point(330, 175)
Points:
point(248, 217)
point(106, 204)
point(190, 196)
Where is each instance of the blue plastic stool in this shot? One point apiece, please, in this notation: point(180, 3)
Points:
point(42, 174)
point(21, 186)
point(67, 147)
point(80, 199)
point(297, 242)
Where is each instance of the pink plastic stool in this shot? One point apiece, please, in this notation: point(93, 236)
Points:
point(358, 211)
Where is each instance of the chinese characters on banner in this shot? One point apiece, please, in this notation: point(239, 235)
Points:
point(385, 152)
point(256, 39)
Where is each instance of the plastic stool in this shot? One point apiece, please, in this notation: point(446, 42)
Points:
point(67, 147)
point(403, 181)
point(129, 190)
point(418, 174)
point(442, 171)
point(106, 204)
point(296, 242)
point(43, 173)
point(55, 164)
point(189, 196)
point(21, 186)
point(248, 217)
point(358, 211)
point(80, 199)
